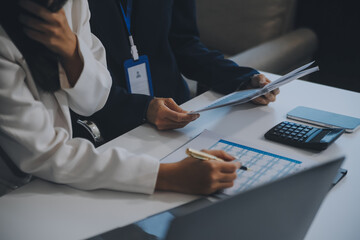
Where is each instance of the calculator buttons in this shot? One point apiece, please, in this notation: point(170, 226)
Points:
point(300, 135)
point(293, 131)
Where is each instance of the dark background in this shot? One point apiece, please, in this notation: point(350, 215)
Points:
point(337, 25)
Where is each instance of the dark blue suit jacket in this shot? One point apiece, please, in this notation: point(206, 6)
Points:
point(165, 31)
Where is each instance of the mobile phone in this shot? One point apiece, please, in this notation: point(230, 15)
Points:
point(54, 5)
point(324, 118)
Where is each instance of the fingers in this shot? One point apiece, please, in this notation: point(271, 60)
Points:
point(34, 23)
point(178, 117)
point(226, 167)
point(264, 100)
point(260, 101)
point(224, 177)
point(217, 175)
point(195, 176)
point(220, 154)
point(171, 104)
point(267, 98)
point(227, 177)
point(50, 29)
point(35, 35)
point(37, 10)
point(259, 81)
point(275, 91)
point(176, 113)
point(230, 167)
point(165, 114)
point(169, 119)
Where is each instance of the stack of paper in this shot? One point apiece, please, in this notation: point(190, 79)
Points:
point(247, 95)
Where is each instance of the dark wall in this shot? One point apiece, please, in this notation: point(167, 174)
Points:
point(337, 24)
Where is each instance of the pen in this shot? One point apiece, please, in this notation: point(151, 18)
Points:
point(205, 156)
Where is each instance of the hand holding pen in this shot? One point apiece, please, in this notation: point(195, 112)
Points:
point(194, 176)
point(202, 155)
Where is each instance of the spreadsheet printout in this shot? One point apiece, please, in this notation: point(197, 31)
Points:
point(264, 166)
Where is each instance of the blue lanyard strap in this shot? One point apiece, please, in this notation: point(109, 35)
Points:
point(127, 16)
point(127, 19)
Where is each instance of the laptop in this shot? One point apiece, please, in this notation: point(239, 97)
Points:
point(282, 209)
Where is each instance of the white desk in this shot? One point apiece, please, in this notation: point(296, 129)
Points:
point(42, 210)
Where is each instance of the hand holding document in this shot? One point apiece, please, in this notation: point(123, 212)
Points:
point(249, 94)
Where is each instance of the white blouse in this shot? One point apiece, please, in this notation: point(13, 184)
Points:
point(35, 126)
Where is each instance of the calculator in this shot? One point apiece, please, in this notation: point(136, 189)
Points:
point(303, 136)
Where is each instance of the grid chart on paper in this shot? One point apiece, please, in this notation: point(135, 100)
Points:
point(264, 166)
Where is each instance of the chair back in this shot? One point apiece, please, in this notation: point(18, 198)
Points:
point(232, 26)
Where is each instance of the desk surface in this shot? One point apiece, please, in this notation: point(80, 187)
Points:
point(42, 210)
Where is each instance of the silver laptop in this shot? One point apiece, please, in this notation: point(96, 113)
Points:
point(283, 209)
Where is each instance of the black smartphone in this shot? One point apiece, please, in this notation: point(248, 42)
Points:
point(52, 5)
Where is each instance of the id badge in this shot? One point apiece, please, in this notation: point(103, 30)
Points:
point(138, 76)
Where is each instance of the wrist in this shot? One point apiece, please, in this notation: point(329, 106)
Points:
point(70, 50)
point(73, 65)
point(146, 112)
point(151, 111)
point(165, 175)
point(161, 177)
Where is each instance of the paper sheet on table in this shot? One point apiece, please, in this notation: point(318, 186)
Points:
point(265, 166)
point(247, 95)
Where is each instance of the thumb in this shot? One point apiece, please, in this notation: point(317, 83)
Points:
point(171, 104)
point(258, 80)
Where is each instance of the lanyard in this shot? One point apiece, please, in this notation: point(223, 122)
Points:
point(127, 19)
point(127, 16)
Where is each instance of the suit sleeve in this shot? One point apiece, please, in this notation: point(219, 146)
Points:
point(121, 113)
point(196, 61)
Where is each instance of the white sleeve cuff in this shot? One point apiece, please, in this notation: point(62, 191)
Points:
point(91, 91)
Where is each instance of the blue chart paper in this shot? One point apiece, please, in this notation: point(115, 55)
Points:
point(264, 166)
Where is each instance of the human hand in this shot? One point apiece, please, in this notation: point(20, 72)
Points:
point(259, 81)
point(194, 176)
point(53, 31)
point(165, 114)
point(49, 28)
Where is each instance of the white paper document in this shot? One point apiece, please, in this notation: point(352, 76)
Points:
point(244, 96)
point(264, 166)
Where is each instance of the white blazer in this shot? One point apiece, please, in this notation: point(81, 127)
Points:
point(35, 126)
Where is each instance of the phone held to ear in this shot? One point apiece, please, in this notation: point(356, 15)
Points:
point(54, 6)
